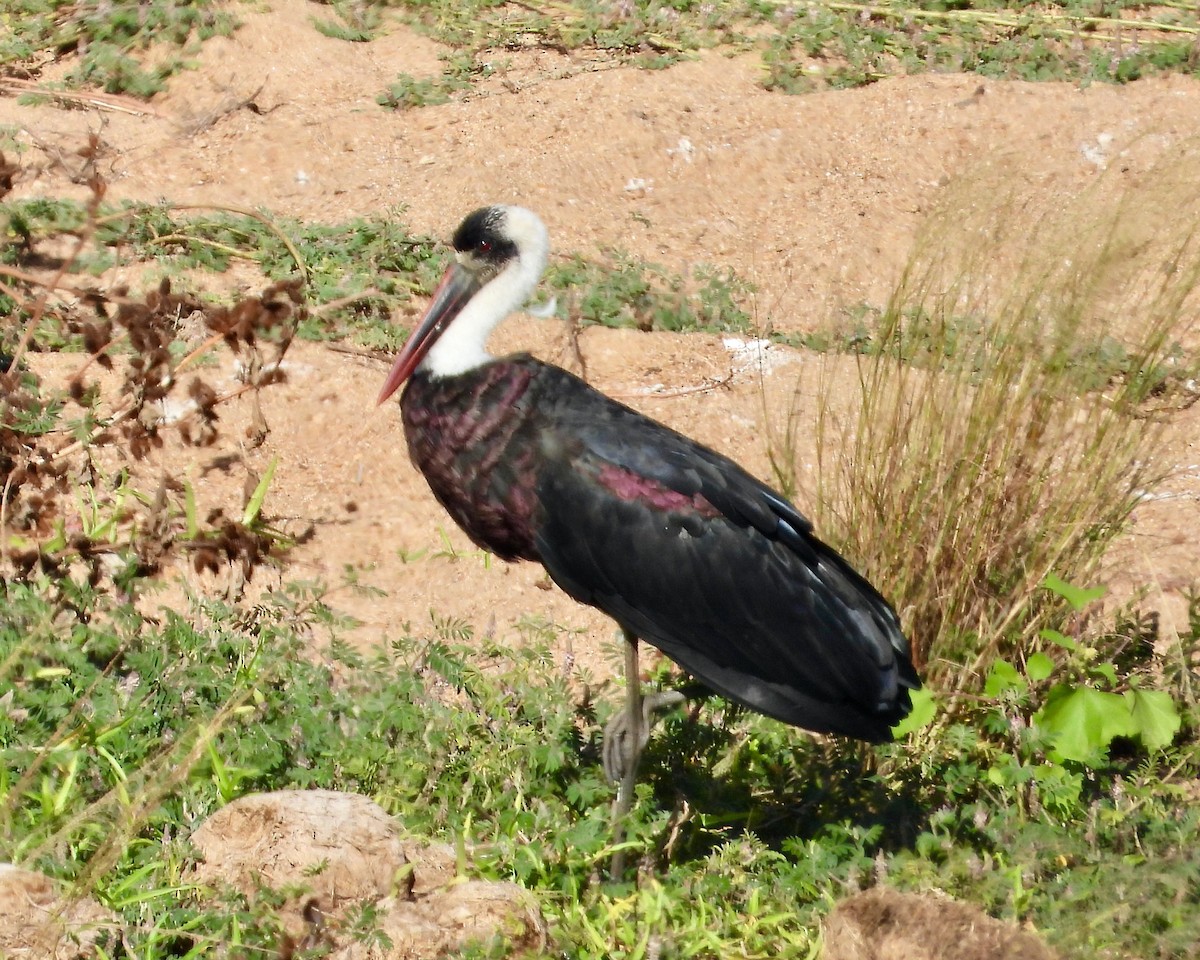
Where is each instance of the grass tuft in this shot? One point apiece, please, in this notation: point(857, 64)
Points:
point(994, 444)
point(626, 292)
point(112, 39)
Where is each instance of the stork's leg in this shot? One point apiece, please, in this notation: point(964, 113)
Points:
point(622, 749)
point(624, 740)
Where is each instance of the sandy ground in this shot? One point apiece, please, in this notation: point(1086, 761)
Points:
point(817, 200)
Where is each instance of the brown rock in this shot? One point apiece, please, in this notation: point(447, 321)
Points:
point(38, 920)
point(447, 920)
point(345, 849)
point(342, 846)
point(884, 924)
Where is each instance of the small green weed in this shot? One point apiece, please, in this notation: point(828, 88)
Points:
point(355, 22)
point(111, 39)
point(626, 292)
point(406, 91)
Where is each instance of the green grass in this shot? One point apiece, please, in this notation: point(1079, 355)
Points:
point(749, 830)
point(354, 22)
point(841, 45)
point(357, 273)
point(622, 291)
point(365, 268)
point(833, 44)
point(112, 39)
point(408, 91)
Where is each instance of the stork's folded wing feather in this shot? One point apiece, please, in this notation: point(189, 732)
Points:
point(694, 555)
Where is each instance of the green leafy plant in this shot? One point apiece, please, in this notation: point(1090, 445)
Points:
point(354, 22)
point(406, 91)
point(462, 69)
point(1089, 704)
point(626, 292)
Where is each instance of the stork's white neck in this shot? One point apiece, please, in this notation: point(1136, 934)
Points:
point(463, 344)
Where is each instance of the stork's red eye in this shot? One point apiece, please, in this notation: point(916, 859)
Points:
point(485, 246)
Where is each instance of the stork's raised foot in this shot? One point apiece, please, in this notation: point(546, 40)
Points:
point(624, 739)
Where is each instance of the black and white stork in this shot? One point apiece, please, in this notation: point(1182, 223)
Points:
point(677, 543)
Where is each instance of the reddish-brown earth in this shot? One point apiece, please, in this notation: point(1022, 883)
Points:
point(815, 199)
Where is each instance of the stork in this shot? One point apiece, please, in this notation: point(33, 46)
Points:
point(678, 544)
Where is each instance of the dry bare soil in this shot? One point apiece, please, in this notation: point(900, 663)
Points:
point(815, 199)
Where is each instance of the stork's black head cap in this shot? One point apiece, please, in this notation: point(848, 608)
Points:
point(482, 235)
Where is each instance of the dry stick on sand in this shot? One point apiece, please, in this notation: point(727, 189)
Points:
point(103, 101)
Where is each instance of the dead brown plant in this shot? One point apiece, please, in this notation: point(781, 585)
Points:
point(71, 442)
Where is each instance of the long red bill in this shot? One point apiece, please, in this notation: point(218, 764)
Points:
point(457, 287)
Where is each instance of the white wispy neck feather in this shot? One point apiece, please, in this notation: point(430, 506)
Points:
point(463, 344)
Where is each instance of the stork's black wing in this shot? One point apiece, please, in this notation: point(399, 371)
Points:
point(689, 552)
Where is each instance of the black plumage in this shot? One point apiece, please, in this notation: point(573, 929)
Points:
point(681, 546)
point(674, 541)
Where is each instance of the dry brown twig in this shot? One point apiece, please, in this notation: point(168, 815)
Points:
point(33, 465)
point(92, 98)
point(198, 123)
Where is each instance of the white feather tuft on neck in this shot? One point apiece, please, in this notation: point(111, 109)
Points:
point(463, 344)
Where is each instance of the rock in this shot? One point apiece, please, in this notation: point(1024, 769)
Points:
point(884, 924)
point(346, 850)
point(446, 920)
point(342, 846)
point(39, 920)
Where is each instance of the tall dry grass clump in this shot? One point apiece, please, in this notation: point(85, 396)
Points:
point(1013, 399)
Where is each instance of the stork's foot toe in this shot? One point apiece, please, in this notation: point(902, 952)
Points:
point(621, 748)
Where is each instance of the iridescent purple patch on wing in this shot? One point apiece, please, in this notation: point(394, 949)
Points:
point(634, 487)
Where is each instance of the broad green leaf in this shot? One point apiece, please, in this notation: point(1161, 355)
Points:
point(254, 504)
point(1155, 715)
point(1082, 721)
point(1105, 670)
point(1061, 639)
point(923, 711)
point(1003, 676)
point(1077, 597)
point(1038, 667)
